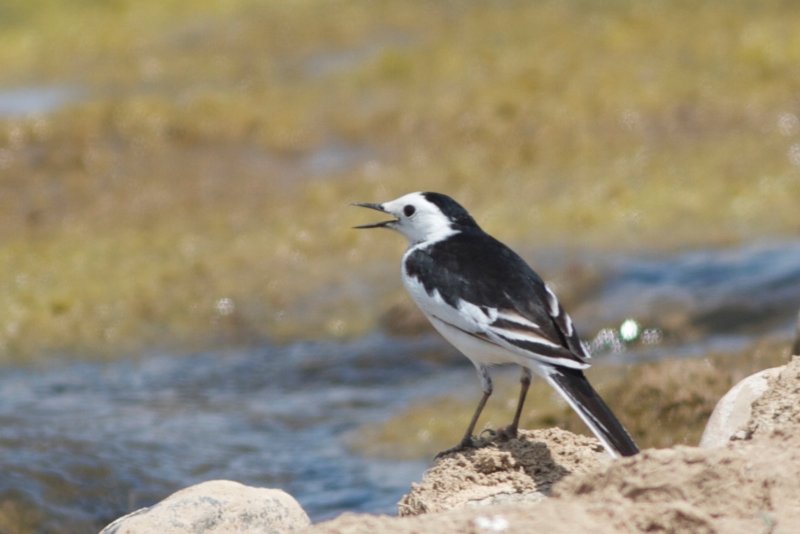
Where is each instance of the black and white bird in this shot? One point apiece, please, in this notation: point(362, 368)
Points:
point(485, 300)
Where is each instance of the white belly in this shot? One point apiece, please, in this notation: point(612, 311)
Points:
point(478, 351)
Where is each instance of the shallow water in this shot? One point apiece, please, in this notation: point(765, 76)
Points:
point(86, 442)
point(703, 300)
point(82, 443)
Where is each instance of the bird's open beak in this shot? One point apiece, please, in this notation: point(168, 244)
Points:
point(376, 207)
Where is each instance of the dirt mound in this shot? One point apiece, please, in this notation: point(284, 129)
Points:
point(523, 469)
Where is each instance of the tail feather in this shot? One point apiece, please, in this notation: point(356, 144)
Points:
point(581, 396)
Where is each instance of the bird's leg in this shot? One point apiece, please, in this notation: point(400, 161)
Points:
point(468, 442)
point(510, 431)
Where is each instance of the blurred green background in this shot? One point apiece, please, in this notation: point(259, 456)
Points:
point(178, 173)
point(175, 179)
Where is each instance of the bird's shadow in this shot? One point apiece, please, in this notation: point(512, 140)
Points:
point(536, 460)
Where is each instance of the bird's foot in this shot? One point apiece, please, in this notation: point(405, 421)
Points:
point(506, 433)
point(466, 443)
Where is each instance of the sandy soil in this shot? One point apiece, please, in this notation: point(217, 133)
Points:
point(523, 469)
point(750, 485)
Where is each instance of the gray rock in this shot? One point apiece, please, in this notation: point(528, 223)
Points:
point(732, 412)
point(217, 506)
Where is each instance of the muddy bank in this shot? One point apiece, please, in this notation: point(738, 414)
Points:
point(555, 481)
point(750, 485)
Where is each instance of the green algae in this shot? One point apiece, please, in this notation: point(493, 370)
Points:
point(190, 172)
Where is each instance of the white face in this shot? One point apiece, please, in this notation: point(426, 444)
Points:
point(417, 218)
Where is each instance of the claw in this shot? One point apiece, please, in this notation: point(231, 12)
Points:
point(467, 443)
point(506, 433)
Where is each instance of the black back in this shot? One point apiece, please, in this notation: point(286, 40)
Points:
point(475, 267)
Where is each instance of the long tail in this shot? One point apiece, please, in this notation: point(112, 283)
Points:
point(579, 393)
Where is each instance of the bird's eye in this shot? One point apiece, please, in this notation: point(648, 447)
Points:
point(409, 210)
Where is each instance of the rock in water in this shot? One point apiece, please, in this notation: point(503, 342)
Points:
point(216, 506)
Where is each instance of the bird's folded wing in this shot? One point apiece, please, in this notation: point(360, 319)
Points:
point(476, 284)
point(521, 335)
point(516, 333)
